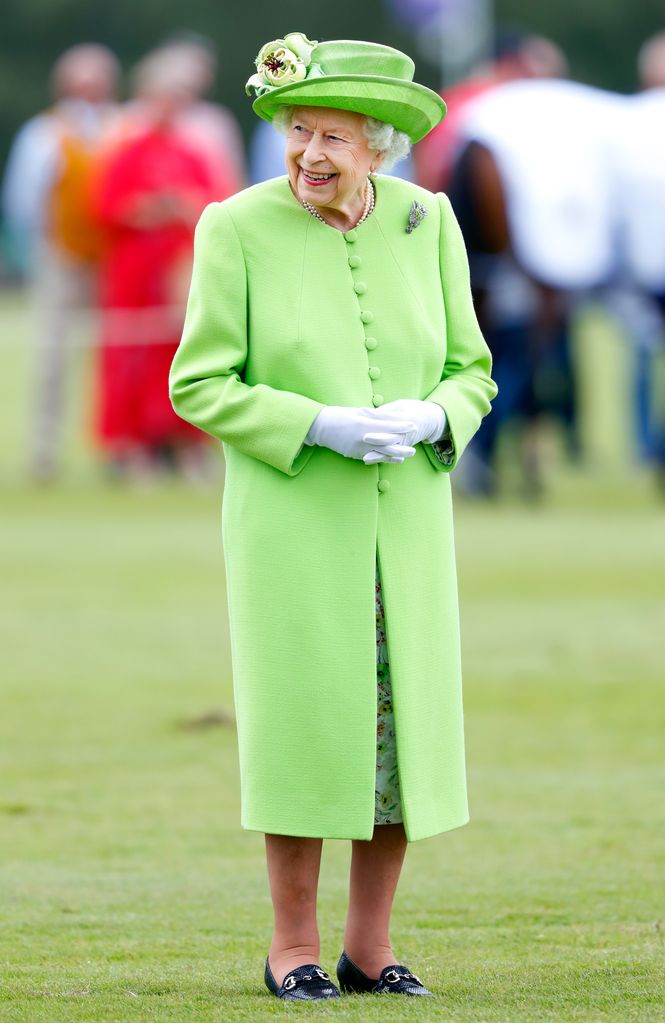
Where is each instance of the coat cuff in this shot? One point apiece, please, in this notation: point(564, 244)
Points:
point(444, 447)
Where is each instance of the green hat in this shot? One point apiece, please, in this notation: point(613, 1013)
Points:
point(345, 74)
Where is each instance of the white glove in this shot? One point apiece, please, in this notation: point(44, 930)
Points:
point(421, 420)
point(343, 429)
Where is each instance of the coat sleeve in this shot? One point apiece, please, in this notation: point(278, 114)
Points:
point(466, 387)
point(205, 381)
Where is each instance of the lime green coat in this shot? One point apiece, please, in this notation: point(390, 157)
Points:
point(285, 315)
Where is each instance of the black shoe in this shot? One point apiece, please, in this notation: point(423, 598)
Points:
point(307, 983)
point(394, 980)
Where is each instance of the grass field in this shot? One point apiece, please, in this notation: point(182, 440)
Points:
point(128, 891)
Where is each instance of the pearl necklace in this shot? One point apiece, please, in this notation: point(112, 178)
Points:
point(370, 199)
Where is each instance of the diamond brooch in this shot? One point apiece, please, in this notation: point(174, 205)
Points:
point(417, 214)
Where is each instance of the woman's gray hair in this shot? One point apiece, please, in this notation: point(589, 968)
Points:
point(395, 145)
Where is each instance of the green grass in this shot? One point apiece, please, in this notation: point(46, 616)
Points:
point(128, 891)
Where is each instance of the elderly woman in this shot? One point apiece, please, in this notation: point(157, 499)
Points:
point(331, 344)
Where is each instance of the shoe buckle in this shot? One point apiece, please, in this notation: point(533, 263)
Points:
point(289, 983)
point(392, 976)
point(322, 974)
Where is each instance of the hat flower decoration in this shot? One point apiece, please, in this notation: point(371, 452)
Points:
point(283, 62)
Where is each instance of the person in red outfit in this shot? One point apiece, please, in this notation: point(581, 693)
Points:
point(151, 189)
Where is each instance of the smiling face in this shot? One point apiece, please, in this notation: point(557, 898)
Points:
point(328, 158)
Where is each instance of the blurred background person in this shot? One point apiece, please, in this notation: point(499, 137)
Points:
point(152, 185)
point(208, 127)
point(516, 55)
point(511, 324)
point(54, 239)
point(534, 187)
point(637, 296)
point(651, 62)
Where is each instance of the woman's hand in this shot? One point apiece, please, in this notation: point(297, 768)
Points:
point(416, 420)
point(361, 432)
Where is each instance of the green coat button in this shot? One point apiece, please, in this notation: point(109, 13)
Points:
point(366, 316)
point(355, 262)
point(377, 399)
point(383, 485)
point(370, 343)
point(360, 287)
point(351, 236)
point(374, 372)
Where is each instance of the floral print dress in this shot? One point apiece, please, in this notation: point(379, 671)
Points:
point(387, 805)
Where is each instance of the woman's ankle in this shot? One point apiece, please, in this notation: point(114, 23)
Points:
point(284, 959)
point(370, 958)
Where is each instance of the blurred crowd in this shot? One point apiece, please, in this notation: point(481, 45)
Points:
point(560, 193)
point(101, 200)
point(559, 189)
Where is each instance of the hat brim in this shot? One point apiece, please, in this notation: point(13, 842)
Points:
point(409, 107)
